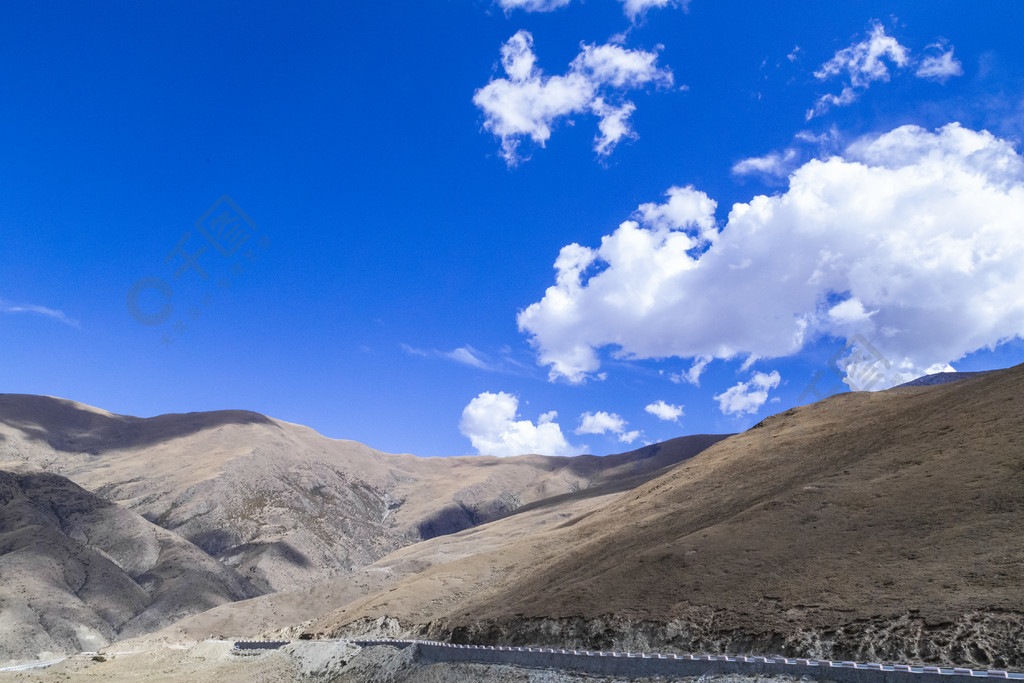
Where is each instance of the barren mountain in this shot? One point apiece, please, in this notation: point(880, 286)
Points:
point(280, 503)
point(868, 525)
point(283, 614)
point(76, 571)
point(874, 526)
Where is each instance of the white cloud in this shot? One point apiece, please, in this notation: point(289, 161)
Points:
point(911, 239)
point(692, 376)
point(868, 61)
point(489, 421)
point(665, 411)
point(600, 423)
point(632, 8)
point(8, 307)
point(467, 356)
point(684, 208)
point(533, 5)
point(606, 423)
point(940, 67)
point(862, 63)
point(849, 311)
point(778, 165)
point(822, 139)
point(413, 351)
point(631, 436)
point(503, 360)
point(747, 397)
point(613, 126)
point(527, 103)
point(775, 164)
point(635, 8)
point(847, 96)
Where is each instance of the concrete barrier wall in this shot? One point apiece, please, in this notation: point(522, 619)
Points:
point(641, 664)
point(260, 644)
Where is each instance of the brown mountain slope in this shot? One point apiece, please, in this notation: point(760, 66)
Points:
point(76, 571)
point(278, 502)
point(884, 525)
point(282, 615)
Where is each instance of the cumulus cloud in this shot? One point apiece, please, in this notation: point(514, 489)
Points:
point(939, 67)
point(526, 103)
point(747, 397)
point(490, 422)
point(665, 411)
point(631, 436)
point(606, 423)
point(8, 307)
point(600, 423)
point(911, 239)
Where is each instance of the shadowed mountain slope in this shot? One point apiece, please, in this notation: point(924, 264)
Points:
point(869, 525)
point(76, 571)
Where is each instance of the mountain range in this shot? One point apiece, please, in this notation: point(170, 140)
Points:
point(873, 526)
point(256, 504)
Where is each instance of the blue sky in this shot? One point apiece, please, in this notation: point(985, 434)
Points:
point(763, 198)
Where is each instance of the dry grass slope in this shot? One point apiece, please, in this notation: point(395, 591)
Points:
point(877, 525)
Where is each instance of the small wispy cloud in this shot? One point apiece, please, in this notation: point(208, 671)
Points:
point(779, 164)
point(533, 5)
point(862, 64)
point(475, 358)
point(467, 355)
point(8, 307)
point(941, 65)
point(691, 376)
point(872, 59)
point(775, 164)
point(634, 9)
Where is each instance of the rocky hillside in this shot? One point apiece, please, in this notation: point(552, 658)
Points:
point(77, 571)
